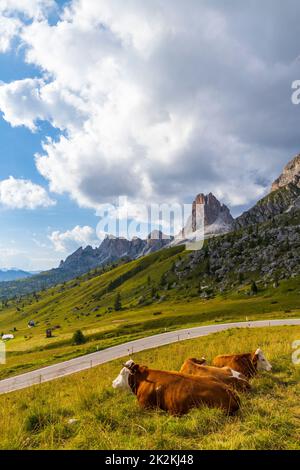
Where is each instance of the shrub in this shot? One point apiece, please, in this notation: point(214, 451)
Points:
point(36, 421)
point(78, 337)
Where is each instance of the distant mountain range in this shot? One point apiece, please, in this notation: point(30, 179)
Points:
point(217, 220)
point(283, 199)
point(113, 249)
point(13, 274)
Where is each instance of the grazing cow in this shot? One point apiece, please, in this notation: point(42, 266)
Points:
point(248, 364)
point(174, 392)
point(229, 376)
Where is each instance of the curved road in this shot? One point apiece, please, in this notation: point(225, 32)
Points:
point(94, 359)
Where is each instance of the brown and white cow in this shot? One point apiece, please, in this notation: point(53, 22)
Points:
point(230, 377)
point(174, 392)
point(248, 364)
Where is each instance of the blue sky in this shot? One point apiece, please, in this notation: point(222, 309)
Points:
point(149, 100)
point(24, 241)
point(23, 229)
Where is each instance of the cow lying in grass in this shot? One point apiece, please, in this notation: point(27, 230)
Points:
point(174, 392)
point(248, 364)
point(225, 374)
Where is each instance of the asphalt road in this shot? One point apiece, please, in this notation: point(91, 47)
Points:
point(125, 350)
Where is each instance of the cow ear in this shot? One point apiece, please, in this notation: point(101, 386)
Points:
point(255, 358)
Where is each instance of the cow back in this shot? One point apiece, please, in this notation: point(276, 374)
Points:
point(177, 393)
point(242, 363)
point(224, 374)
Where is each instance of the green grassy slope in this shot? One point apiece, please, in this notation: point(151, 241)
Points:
point(82, 411)
point(151, 304)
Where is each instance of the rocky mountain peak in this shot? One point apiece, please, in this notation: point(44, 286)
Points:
point(157, 235)
point(290, 174)
point(217, 217)
point(156, 240)
point(283, 197)
point(214, 211)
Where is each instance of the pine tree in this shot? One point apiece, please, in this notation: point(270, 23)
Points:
point(118, 303)
point(153, 291)
point(207, 266)
point(254, 288)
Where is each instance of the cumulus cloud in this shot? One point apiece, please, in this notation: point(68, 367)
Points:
point(30, 8)
point(26, 102)
point(159, 100)
point(11, 25)
point(71, 239)
point(10, 28)
point(23, 194)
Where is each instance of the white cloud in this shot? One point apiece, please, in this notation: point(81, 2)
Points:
point(11, 12)
point(30, 8)
point(72, 239)
point(25, 102)
point(11, 24)
point(158, 101)
point(23, 194)
point(9, 27)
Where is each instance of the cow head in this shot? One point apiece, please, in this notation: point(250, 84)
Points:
point(260, 360)
point(122, 381)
